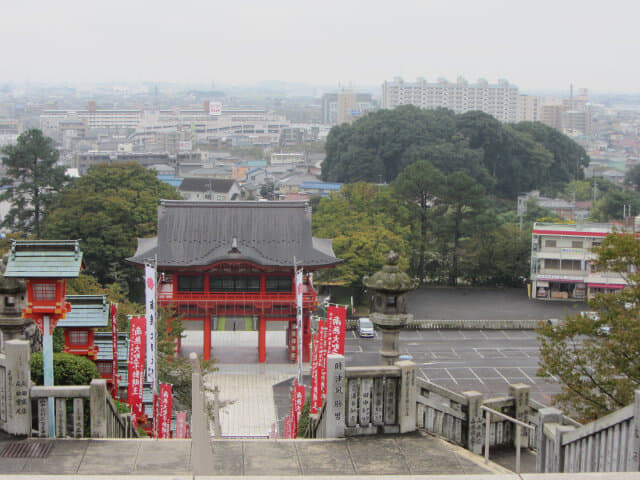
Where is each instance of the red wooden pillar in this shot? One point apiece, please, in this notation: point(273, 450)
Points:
point(206, 344)
point(262, 339)
point(306, 336)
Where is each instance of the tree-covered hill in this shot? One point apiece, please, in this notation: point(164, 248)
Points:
point(505, 159)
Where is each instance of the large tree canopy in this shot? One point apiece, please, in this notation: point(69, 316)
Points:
point(506, 160)
point(31, 178)
point(107, 209)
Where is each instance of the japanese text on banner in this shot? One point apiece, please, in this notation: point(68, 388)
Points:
point(150, 314)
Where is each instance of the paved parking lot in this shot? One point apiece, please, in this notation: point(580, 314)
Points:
point(483, 360)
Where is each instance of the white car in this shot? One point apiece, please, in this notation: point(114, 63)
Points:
point(365, 327)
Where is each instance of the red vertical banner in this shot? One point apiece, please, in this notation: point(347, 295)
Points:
point(114, 346)
point(156, 421)
point(137, 343)
point(165, 404)
point(300, 396)
point(286, 427)
point(181, 425)
point(336, 328)
point(323, 357)
point(315, 376)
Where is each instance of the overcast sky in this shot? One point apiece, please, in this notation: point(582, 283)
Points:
point(541, 44)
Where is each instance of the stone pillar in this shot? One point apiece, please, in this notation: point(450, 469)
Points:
point(475, 440)
point(407, 397)
point(334, 414)
point(15, 411)
point(520, 393)
point(545, 415)
point(98, 408)
point(200, 443)
point(633, 459)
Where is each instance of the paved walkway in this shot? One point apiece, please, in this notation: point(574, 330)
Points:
point(413, 454)
point(252, 411)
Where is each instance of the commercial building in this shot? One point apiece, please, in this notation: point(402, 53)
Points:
point(529, 108)
point(497, 99)
point(563, 264)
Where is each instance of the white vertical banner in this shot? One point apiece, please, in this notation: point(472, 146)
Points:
point(150, 315)
point(299, 347)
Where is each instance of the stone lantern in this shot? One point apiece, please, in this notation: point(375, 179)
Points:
point(389, 304)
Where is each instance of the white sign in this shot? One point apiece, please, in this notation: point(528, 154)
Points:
point(299, 346)
point(215, 108)
point(150, 315)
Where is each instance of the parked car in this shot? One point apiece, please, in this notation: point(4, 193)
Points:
point(365, 327)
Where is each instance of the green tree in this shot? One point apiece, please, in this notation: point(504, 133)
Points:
point(466, 214)
point(632, 177)
point(419, 185)
point(569, 158)
point(31, 179)
point(365, 221)
point(500, 257)
point(614, 204)
point(107, 209)
point(596, 359)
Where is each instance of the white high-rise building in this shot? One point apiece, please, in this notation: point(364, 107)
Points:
point(497, 99)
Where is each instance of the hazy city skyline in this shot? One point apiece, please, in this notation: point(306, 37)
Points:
point(537, 46)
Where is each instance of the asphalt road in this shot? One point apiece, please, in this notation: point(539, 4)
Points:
point(437, 303)
point(483, 360)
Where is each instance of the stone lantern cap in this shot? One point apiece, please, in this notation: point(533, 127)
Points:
point(390, 278)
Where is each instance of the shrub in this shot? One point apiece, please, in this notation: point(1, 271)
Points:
point(68, 369)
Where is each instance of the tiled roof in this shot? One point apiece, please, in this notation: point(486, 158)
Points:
point(86, 311)
point(202, 233)
point(44, 259)
point(103, 341)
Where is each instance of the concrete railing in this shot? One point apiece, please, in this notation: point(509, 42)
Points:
point(366, 400)
point(104, 419)
point(17, 395)
point(609, 444)
point(459, 418)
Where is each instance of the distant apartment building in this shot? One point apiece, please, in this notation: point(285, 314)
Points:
point(345, 106)
point(497, 99)
point(563, 265)
point(529, 108)
point(571, 115)
point(10, 130)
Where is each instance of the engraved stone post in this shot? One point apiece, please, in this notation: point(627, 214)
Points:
point(407, 397)
point(17, 378)
point(546, 415)
point(61, 417)
point(365, 401)
point(377, 402)
point(520, 393)
point(78, 417)
point(474, 421)
point(335, 407)
point(98, 408)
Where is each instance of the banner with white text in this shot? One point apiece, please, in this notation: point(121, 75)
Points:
point(150, 315)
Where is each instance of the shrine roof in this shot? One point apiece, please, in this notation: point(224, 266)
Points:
point(194, 234)
point(105, 347)
point(44, 259)
point(86, 311)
